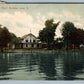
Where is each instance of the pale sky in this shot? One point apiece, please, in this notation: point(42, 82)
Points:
point(28, 17)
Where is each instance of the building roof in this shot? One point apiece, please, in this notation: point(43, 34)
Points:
point(30, 34)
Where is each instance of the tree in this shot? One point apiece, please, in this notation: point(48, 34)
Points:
point(58, 43)
point(14, 39)
point(0, 25)
point(4, 37)
point(77, 37)
point(48, 33)
point(67, 30)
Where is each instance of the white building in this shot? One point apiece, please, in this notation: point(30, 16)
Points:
point(30, 41)
point(81, 46)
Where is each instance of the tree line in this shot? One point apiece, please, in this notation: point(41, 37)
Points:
point(7, 37)
point(71, 35)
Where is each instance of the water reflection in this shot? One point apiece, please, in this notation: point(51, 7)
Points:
point(59, 66)
point(73, 65)
point(47, 66)
point(42, 66)
point(31, 60)
point(3, 66)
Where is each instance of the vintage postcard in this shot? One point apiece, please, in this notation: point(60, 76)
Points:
point(41, 41)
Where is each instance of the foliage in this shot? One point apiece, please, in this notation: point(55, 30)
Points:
point(68, 30)
point(48, 33)
point(72, 35)
point(4, 37)
point(58, 43)
point(77, 37)
point(14, 39)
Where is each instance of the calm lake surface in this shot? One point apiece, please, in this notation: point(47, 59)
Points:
point(42, 66)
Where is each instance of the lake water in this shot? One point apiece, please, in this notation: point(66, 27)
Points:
point(42, 66)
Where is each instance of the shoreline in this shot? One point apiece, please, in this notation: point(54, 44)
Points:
point(40, 50)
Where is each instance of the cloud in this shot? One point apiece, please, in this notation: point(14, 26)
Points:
point(73, 17)
point(56, 15)
point(79, 25)
point(16, 20)
point(58, 30)
point(20, 23)
point(68, 14)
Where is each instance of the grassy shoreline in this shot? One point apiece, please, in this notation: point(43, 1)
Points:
point(41, 50)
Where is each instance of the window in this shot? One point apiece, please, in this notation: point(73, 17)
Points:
point(38, 45)
point(32, 45)
point(30, 40)
point(33, 40)
point(26, 45)
point(26, 40)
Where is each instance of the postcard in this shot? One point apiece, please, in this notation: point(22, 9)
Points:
point(42, 42)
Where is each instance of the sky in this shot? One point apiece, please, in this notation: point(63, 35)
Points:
point(20, 19)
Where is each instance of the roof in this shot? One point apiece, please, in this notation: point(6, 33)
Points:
point(30, 34)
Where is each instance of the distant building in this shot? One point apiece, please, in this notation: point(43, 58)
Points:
point(81, 46)
point(30, 41)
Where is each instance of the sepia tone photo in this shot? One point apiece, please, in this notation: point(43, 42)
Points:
point(41, 41)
